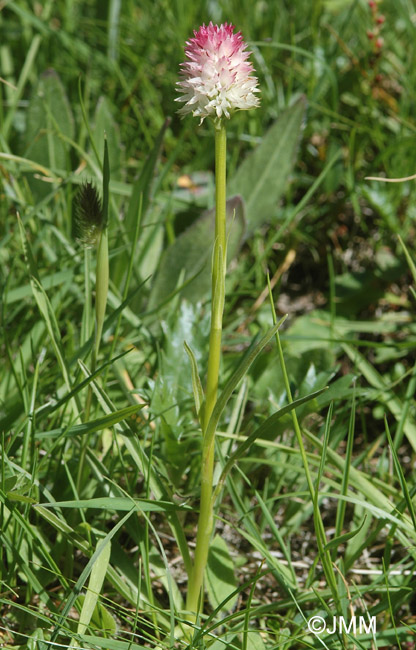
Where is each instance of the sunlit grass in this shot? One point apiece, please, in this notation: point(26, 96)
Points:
point(327, 238)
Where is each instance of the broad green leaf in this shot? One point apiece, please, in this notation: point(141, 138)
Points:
point(123, 504)
point(191, 252)
point(380, 199)
point(25, 72)
point(262, 177)
point(139, 202)
point(48, 116)
point(36, 641)
point(142, 187)
point(254, 640)
point(220, 579)
point(98, 572)
point(105, 126)
point(227, 641)
point(309, 331)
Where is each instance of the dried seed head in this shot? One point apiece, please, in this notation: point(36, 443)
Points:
point(89, 220)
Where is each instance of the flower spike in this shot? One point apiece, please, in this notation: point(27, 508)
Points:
point(217, 79)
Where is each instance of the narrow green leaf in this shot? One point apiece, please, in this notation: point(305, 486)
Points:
point(336, 541)
point(408, 402)
point(83, 384)
point(339, 521)
point(46, 311)
point(21, 498)
point(196, 381)
point(318, 522)
point(114, 13)
point(399, 471)
point(263, 431)
point(385, 396)
point(238, 375)
point(97, 576)
point(106, 182)
point(288, 571)
point(85, 573)
point(409, 260)
point(54, 520)
point(111, 644)
point(94, 425)
point(122, 504)
point(48, 281)
point(323, 454)
point(381, 505)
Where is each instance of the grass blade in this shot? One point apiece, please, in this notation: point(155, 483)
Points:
point(97, 576)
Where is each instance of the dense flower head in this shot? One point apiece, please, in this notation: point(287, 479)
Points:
point(217, 79)
point(89, 218)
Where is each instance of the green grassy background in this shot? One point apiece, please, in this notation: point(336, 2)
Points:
point(335, 108)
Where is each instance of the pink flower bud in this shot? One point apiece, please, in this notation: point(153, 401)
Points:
point(381, 19)
point(217, 79)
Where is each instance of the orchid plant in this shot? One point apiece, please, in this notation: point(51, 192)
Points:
point(216, 80)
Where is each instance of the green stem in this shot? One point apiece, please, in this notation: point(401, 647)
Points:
point(101, 290)
point(86, 316)
point(218, 273)
point(205, 521)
